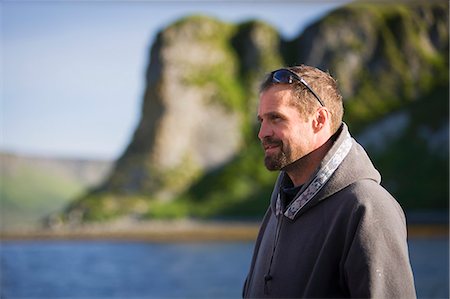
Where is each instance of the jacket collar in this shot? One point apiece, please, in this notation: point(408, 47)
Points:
point(328, 166)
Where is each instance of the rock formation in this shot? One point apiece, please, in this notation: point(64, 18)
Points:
point(197, 122)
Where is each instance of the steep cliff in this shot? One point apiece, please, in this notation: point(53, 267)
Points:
point(194, 152)
point(191, 115)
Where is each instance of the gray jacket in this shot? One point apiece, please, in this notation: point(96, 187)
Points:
point(343, 235)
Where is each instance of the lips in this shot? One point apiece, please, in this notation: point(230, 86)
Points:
point(269, 144)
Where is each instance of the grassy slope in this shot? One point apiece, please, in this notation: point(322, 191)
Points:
point(31, 192)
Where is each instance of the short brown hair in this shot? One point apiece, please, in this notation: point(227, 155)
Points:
point(323, 84)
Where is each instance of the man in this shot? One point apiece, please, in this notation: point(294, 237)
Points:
point(331, 230)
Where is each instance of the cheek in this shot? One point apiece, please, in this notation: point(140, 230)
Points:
point(278, 131)
point(301, 137)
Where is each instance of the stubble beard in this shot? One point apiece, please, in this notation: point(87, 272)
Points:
point(279, 160)
point(283, 159)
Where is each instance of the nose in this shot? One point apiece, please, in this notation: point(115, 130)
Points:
point(264, 131)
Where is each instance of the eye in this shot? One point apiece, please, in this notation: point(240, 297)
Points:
point(275, 118)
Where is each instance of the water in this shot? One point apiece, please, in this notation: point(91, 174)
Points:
point(430, 263)
point(123, 270)
point(100, 269)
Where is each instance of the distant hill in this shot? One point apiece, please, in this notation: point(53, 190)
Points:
point(195, 151)
point(33, 187)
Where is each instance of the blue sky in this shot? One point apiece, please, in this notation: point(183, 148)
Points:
point(72, 72)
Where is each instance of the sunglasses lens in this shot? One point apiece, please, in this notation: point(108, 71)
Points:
point(285, 76)
point(282, 76)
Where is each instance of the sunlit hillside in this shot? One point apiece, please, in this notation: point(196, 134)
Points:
point(33, 187)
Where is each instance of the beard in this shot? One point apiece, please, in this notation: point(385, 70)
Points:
point(276, 160)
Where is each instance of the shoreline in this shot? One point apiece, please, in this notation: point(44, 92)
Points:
point(176, 231)
point(152, 231)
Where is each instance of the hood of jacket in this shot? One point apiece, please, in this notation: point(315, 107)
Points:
point(345, 163)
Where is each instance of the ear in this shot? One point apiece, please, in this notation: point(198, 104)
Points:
point(321, 119)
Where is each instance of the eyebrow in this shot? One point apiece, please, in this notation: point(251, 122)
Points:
point(270, 114)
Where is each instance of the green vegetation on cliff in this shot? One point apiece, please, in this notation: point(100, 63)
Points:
point(388, 58)
point(415, 168)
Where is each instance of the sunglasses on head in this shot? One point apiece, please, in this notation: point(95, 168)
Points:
point(286, 76)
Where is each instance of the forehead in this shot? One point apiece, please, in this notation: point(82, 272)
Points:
point(276, 98)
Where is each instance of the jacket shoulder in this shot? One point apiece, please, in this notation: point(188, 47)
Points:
point(370, 200)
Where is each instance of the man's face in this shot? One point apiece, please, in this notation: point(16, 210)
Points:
point(286, 136)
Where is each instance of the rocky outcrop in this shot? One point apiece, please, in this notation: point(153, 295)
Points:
point(195, 143)
point(383, 55)
point(188, 122)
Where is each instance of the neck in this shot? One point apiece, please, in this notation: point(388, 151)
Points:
point(301, 170)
